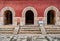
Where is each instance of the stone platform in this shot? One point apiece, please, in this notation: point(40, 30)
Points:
point(29, 37)
point(29, 33)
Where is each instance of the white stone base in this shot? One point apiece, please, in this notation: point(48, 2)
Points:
point(30, 37)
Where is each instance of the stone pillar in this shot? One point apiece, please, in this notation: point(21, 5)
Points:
point(16, 29)
point(42, 27)
point(43, 30)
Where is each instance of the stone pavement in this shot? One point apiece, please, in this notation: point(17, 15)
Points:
point(29, 38)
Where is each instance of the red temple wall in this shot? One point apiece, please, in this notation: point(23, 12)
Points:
point(39, 5)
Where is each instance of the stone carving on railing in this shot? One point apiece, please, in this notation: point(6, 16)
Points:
point(1, 38)
point(14, 38)
point(42, 27)
point(16, 29)
point(29, 38)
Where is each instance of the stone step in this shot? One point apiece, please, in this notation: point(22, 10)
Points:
point(30, 28)
point(52, 30)
point(7, 29)
point(6, 32)
point(29, 32)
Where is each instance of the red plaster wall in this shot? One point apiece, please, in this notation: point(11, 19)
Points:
point(39, 5)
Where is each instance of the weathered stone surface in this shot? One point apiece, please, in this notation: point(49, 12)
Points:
point(29, 38)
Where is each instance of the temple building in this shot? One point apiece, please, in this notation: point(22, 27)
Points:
point(30, 17)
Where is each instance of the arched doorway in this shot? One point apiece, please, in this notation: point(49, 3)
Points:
point(7, 17)
point(29, 17)
point(51, 17)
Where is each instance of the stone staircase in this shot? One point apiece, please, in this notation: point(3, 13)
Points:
point(6, 29)
point(52, 29)
point(29, 30)
point(10, 29)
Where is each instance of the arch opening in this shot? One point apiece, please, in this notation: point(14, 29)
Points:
point(51, 17)
point(29, 17)
point(7, 17)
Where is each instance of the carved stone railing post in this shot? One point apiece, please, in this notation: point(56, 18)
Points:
point(16, 29)
point(42, 27)
point(43, 30)
point(48, 38)
point(29, 38)
point(14, 38)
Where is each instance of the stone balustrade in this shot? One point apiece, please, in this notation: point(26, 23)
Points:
point(28, 38)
